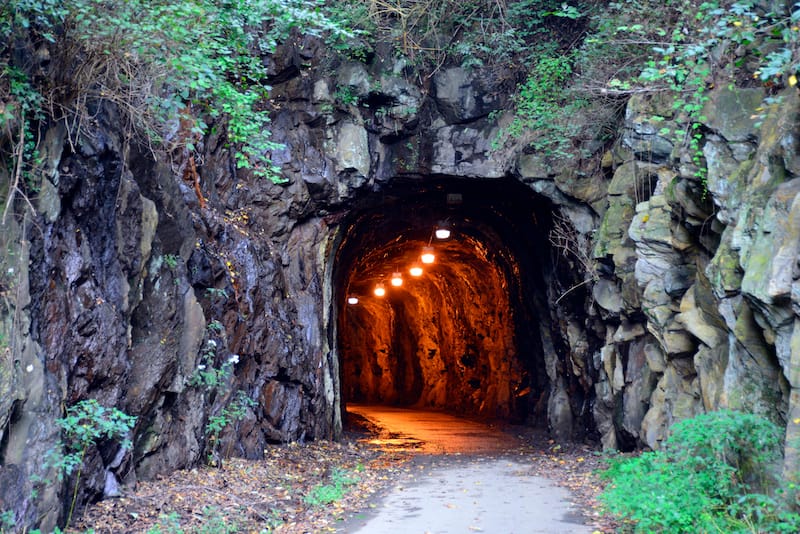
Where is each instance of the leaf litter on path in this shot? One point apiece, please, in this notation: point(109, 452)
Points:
point(271, 494)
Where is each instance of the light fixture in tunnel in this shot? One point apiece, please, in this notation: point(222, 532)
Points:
point(427, 255)
point(442, 230)
point(397, 279)
point(352, 300)
point(415, 270)
point(379, 290)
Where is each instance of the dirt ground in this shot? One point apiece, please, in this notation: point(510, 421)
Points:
point(325, 486)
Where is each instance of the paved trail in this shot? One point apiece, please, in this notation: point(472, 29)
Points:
point(468, 481)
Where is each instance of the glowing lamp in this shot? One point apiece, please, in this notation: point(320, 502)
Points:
point(352, 300)
point(379, 290)
point(427, 255)
point(442, 231)
point(415, 270)
point(397, 279)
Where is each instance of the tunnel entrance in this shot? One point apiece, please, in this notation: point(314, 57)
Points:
point(465, 335)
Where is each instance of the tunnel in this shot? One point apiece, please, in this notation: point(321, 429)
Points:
point(465, 335)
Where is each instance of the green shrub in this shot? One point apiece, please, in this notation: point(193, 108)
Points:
point(716, 473)
point(322, 494)
point(84, 425)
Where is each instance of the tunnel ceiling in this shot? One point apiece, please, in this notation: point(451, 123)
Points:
point(464, 336)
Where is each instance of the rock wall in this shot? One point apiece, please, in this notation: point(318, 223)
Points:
point(668, 295)
point(702, 269)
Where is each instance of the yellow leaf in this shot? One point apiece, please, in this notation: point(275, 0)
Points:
point(792, 80)
point(796, 421)
point(737, 23)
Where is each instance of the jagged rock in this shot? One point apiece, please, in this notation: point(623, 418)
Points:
point(533, 167)
point(700, 318)
point(688, 195)
point(676, 341)
point(753, 371)
point(711, 363)
point(461, 96)
point(612, 236)
point(603, 412)
point(720, 165)
point(655, 357)
point(354, 75)
point(641, 134)
point(559, 413)
point(351, 149)
point(769, 267)
point(125, 280)
point(585, 187)
point(729, 112)
point(606, 294)
point(639, 384)
point(659, 307)
point(724, 271)
point(466, 151)
point(674, 398)
point(678, 279)
point(628, 331)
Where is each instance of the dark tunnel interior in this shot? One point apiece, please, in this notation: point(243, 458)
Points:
point(465, 336)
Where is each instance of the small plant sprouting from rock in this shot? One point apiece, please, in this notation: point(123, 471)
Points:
point(214, 292)
point(346, 95)
point(206, 375)
point(234, 412)
point(84, 425)
point(210, 378)
point(171, 260)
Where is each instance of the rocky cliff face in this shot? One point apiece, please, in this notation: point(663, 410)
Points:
point(606, 297)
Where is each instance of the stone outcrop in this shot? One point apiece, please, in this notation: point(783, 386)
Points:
point(606, 301)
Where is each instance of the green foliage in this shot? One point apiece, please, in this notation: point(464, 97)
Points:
point(541, 106)
point(323, 494)
point(713, 43)
point(206, 375)
point(346, 95)
point(215, 292)
point(431, 33)
point(214, 522)
point(7, 521)
point(85, 424)
point(167, 524)
point(234, 412)
point(714, 474)
point(211, 378)
point(160, 61)
point(171, 260)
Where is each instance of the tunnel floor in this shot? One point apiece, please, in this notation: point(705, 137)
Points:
point(469, 476)
point(434, 432)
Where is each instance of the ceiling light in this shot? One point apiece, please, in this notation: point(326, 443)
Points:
point(415, 270)
point(380, 290)
point(427, 255)
point(442, 231)
point(397, 279)
point(352, 300)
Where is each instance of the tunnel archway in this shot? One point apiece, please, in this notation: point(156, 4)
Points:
point(466, 335)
